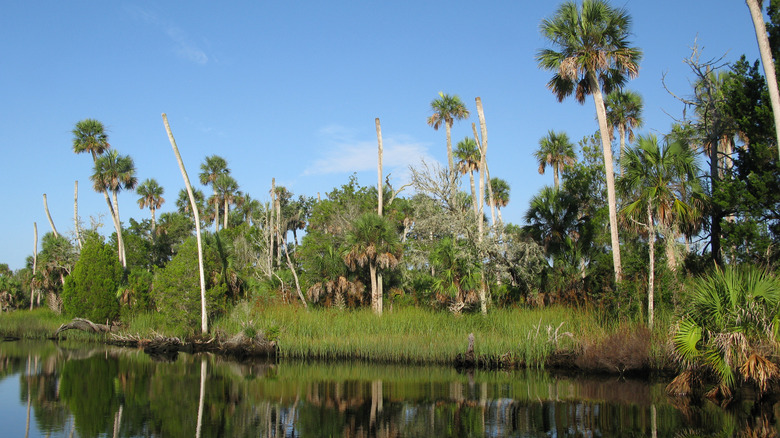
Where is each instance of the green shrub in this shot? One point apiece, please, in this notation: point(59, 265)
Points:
point(176, 288)
point(90, 290)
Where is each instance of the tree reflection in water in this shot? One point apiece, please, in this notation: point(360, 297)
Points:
point(105, 391)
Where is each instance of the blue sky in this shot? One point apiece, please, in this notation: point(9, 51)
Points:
point(290, 90)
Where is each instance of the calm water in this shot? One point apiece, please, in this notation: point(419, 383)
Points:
point(68, 390)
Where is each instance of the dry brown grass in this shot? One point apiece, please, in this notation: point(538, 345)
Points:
point(625, 351)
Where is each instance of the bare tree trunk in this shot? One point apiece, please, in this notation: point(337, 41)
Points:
point(119, 240)
point(601, 114)
point(622, 134)
point(651, 273)
point(766, 60)
point(481, 194)
point(48, 215)
point(295, 276)
point(272, 225)
point(484, 147)
point(204, 317)
point(484, 179)
point(282, 239)
point(380, 204)
point(35, 262)
point(76, 212)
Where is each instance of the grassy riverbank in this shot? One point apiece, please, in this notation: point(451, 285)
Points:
point(406, 335)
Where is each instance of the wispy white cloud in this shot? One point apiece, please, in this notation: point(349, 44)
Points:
point(345, 153)
point(181, 43)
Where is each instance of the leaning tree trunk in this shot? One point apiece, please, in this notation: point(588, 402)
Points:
point(35, 262)
point(601, 114)
point(651, 269)
point(203, 316)
point(48, 216)
point(76, 212)
point(119, 240)
point(767, 62)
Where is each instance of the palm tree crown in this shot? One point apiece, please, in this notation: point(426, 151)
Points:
point(446, 109)
point(624, 113)
point(594, 49)
point(150, 193)
point(114, 172)
point(89, 135)
point(555, 150)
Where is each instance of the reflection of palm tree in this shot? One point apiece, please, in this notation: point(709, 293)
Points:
point(150, 193)
point(556, 151)
point(594, 55)
point(372, 241)
point(116, 173)
point(210, 170)
point(468, 157)
point(657, 182)
point(446, 109)
point(624, 112)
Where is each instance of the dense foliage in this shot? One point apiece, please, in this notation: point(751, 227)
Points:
point(90, 291)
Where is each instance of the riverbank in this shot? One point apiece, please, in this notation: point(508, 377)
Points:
point(556, 337)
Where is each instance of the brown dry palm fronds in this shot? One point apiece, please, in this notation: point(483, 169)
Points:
point(760, 370)
point(686, 384)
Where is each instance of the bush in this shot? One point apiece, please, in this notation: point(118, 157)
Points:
point(90, 290)
point(176, 288)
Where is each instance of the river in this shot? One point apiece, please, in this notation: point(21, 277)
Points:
point(66, 389)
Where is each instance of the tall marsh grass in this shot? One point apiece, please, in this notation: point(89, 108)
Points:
point(415, 335)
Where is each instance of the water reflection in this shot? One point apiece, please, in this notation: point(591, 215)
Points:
point(72, 390)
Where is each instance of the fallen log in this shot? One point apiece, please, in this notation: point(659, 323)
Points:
point(85, 325)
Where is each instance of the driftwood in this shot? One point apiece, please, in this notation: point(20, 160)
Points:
point(85, 325)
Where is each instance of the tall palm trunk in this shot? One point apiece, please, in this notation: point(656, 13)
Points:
point(224, 226)
point(114, 218)
point(450, 160)
point(651, 273)
point(203, 316)
point(376, 303)
point(473, 194)
point(154, 221)
point(601, 114)
point(216, 211)
point(622, 136)
point(119, 241)
point(272, 226)
point(766, 60)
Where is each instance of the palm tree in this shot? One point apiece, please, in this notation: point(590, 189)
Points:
point(595, 57)
point(728, 332)
point(373, 241)
point(210, 170)
point(657, 183)
point(467, 153)
point(553, 218)
point(446, 109)
point(150, 193)
point(90, 136)
point(116, 173)
point(624, 112)
point(183, 201)
point(767, 61)
point(556, 151)
point(227, 191)
point(500, 190)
